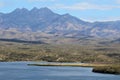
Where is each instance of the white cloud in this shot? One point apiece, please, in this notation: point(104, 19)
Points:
point(118, 1)
point(1, 4)
point(101, 19)
point(41, 0)
point(111, 18)
point(86, 6)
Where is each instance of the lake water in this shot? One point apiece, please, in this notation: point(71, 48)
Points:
point(20, 71)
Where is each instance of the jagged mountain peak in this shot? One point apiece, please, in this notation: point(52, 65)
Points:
point(44, 9)
point(33, 10)
point(17, 10)
point(45, 20)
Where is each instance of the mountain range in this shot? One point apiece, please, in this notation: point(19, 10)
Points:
point(43, 24)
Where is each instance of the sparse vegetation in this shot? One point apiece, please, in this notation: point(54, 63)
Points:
point(109, 69)
point(11, 51)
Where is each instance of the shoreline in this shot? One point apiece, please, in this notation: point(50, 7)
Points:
point(68, 64)
point(97, 68)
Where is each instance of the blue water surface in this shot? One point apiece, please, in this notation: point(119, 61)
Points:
point(21, 71)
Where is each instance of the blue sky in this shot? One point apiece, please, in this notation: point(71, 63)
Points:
point(89, 10)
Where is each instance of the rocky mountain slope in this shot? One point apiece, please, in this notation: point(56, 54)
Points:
point(43, 24)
